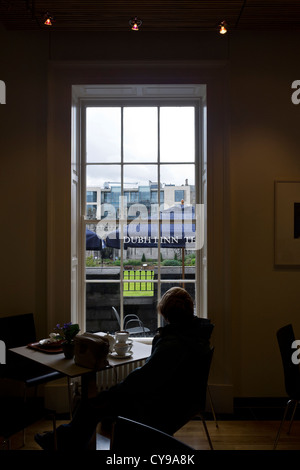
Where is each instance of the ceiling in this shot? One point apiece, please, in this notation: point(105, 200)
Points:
point(156, 15)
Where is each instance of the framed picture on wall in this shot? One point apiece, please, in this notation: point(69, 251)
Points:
point(287, 223)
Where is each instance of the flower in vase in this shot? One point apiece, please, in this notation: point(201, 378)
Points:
point(67, 331)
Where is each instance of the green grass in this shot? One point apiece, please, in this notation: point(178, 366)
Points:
point(138, 293)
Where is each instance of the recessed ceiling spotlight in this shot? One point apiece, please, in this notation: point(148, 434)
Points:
point(135, 23)
point(223, 27)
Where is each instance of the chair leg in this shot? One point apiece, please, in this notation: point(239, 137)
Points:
point(212, 407)
point(292, 418)
point(207, 433)
point(281, 424)
point(25, 401)
point(70, 398)
point(54, 431)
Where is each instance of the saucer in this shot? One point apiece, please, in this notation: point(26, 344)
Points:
point(119, 356)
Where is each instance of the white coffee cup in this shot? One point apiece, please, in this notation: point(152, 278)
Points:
point(121, 336)
point(123, 348)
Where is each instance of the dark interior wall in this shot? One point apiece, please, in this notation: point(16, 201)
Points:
point(23, 67)
point(144, 46)
point(263, 145)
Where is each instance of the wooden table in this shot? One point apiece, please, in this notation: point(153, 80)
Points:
point(68, 367)
point(58, 362)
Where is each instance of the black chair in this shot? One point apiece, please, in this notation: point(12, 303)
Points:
point(200, 413)
point(129, 436)
point(16, 415)
point(196, 410)
point(131, 319)
point(212, 407)
point(291, 371)
point(16, 331)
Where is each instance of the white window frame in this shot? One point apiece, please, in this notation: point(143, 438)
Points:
point(66, 80)
point(139, 95)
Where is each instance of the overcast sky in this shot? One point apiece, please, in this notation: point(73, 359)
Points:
point(140, 144)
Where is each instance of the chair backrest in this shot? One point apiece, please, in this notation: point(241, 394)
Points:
point(204, 374)
point(285, 338)
point(191, 404)
point(17, 330)
point(133, 320)
point(117, 317)
point(137, 438)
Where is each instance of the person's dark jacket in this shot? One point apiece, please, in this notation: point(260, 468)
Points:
point(169, 386)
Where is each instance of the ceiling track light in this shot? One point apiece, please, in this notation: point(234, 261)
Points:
point(48, 19)
point(135, 23)
point(223, 27)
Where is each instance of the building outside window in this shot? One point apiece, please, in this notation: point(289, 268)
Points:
point(179, 195)
point(91, 196)
point(91, 211)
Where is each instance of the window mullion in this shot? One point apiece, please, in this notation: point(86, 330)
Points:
point(121, 222)
point(158, 218)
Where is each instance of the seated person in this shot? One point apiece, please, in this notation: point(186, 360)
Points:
point(164, 393)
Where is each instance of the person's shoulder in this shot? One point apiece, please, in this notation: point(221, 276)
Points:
point(203, 324)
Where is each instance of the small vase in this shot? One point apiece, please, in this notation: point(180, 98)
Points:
point(68, 350)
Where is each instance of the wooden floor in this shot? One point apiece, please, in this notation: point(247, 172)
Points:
point(240, 435)
point(230, 435)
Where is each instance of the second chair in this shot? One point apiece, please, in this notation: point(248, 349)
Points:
point(19, 330)
point(131, 436)
point(291, 372)
point(131, 319)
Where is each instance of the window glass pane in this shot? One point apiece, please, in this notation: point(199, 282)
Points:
point(140, 134)
point(138, 282)
point(141, 261)
point(139, 287)
point(139, 186)
point(178, 180)
point(136, 176)
point(103, 134)
point(100, 298)
point(178, 253)
point(177, 134)
point(103, 177)
point(177, 243)
point(178, 263)
point(145, 309)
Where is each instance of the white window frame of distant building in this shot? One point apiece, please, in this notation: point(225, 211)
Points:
point(148, 95)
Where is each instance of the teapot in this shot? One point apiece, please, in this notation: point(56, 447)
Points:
point(111, 341)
